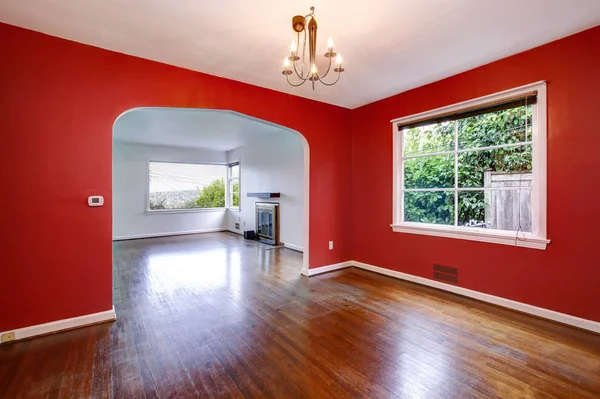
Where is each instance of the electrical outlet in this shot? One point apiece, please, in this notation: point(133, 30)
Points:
point(9, 336)
point(330, 245)
point(237, 226)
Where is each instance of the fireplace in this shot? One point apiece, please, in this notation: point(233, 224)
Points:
point(267, 222)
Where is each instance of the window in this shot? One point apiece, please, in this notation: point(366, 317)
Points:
point(233, 183)
point(185, 186)
point(475, 170)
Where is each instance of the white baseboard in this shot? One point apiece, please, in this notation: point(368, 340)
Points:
point(506, 303)
point(65, 324)
point(236, 232)
point(326, 269)
point(294, 247)
point(168, 234)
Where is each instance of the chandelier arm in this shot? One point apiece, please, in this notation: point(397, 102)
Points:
point(331, 84)
point(300, 76)
point(328, 68)
point(287, 77)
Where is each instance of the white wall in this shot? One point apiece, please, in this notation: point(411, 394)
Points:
point(130, 185)
point(272, 163)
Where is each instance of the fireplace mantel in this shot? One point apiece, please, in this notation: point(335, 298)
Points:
point(263, 195)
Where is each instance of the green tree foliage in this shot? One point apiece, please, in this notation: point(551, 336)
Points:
point(236, 194)
point(211, 196)
point(496, 128)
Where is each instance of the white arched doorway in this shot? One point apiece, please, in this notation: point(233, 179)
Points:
point(191, 127)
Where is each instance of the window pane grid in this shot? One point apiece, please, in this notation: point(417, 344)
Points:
point(522, 130)
point(445, 149)
point(517, 187)
point(233, 185)
point(455, 173)
point(178, 185)
point(459, 151)
point(417, 190)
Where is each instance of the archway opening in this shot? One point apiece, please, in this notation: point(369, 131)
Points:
point(157, 152)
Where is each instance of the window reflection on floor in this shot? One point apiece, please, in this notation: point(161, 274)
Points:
point(169, 272)
point(234, 273)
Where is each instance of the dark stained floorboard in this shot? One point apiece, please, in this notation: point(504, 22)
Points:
point(214, 316)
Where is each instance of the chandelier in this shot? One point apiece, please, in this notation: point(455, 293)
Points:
point(306, 31)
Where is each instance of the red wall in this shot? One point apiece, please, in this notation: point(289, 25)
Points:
point(564, 277)
point(58, 102)
point(59, 99)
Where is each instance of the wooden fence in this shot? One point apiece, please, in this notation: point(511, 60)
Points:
point(504, 208)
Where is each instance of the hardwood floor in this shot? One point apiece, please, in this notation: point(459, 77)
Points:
point(214, 316)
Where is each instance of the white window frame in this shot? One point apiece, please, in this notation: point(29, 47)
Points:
point(535, 239)
point(191, 210)
point(229, 180)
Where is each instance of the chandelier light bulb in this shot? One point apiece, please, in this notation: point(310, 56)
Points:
point(338, 59)
point(313, 69)
point(293, 46)
point(286, 63)
point(330, 44)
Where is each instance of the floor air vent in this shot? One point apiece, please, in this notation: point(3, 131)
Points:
point(445, 273)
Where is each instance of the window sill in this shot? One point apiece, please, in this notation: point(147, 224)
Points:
point(195, 210)
point(234, 208)
point(472, 234)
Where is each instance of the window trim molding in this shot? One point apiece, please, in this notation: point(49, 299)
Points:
point(190, 210)
point(229, 195)
point(537, 239)
point(472, 234)
point(149, 211)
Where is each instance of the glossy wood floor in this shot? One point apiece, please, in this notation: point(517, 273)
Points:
point(213, 316)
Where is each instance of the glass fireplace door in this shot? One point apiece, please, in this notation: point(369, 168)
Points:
point(267, 223)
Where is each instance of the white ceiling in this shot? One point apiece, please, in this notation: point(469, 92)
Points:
point(182, 127)
point(388, 46)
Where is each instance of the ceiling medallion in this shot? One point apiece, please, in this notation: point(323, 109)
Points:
point(306, 32)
